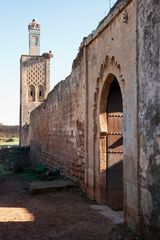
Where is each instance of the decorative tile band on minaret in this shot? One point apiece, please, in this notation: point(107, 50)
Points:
point(34, 37)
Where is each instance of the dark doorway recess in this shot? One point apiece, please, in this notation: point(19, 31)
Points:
point(114, 171)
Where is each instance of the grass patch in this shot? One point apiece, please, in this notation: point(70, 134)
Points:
point(9, 141)
point(29, 175)
point(4, 170)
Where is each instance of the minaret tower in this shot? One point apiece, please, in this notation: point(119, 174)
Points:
point(34, 80)
point(34, 37)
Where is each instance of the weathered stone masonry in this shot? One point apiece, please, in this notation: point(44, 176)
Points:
point(69, 130)
point(58, 139)
point(149, 116)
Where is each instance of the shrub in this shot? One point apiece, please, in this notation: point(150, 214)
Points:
point(9, 140)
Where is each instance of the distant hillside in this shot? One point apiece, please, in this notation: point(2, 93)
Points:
point(9, 131)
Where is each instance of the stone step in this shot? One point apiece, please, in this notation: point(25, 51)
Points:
point(47, 186)
point(116, 217)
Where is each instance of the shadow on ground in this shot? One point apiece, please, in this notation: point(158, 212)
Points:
point(57, 215)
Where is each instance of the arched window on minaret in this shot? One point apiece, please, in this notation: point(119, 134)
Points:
point(40, 93)
point(31, 93)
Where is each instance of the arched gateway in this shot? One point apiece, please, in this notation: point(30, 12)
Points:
point(111, 144)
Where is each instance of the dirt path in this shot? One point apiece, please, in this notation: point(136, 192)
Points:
point(61, 215)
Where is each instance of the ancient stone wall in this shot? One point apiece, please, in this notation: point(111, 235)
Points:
point(65, 131)
point(69, 130)
point(111, 52)
point(57, 126)
point(149, 115)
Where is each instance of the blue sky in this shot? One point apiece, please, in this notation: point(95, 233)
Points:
point(64, 23)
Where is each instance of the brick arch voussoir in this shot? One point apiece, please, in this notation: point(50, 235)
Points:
point(108, 67)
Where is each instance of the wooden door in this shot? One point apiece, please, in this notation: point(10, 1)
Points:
point(114, 171)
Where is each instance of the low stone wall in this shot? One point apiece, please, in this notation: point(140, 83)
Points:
point(16, 158)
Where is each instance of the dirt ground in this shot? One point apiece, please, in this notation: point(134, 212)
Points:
point(60, 215)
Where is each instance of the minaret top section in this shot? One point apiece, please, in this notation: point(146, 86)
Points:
point(34, 37)
point(34, 25)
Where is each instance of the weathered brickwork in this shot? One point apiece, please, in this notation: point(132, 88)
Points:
point(149, 116)
point(112, 53)
point(77, 131)
point(57, 128)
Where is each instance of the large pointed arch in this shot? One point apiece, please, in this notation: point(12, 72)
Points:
point(111, 143)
